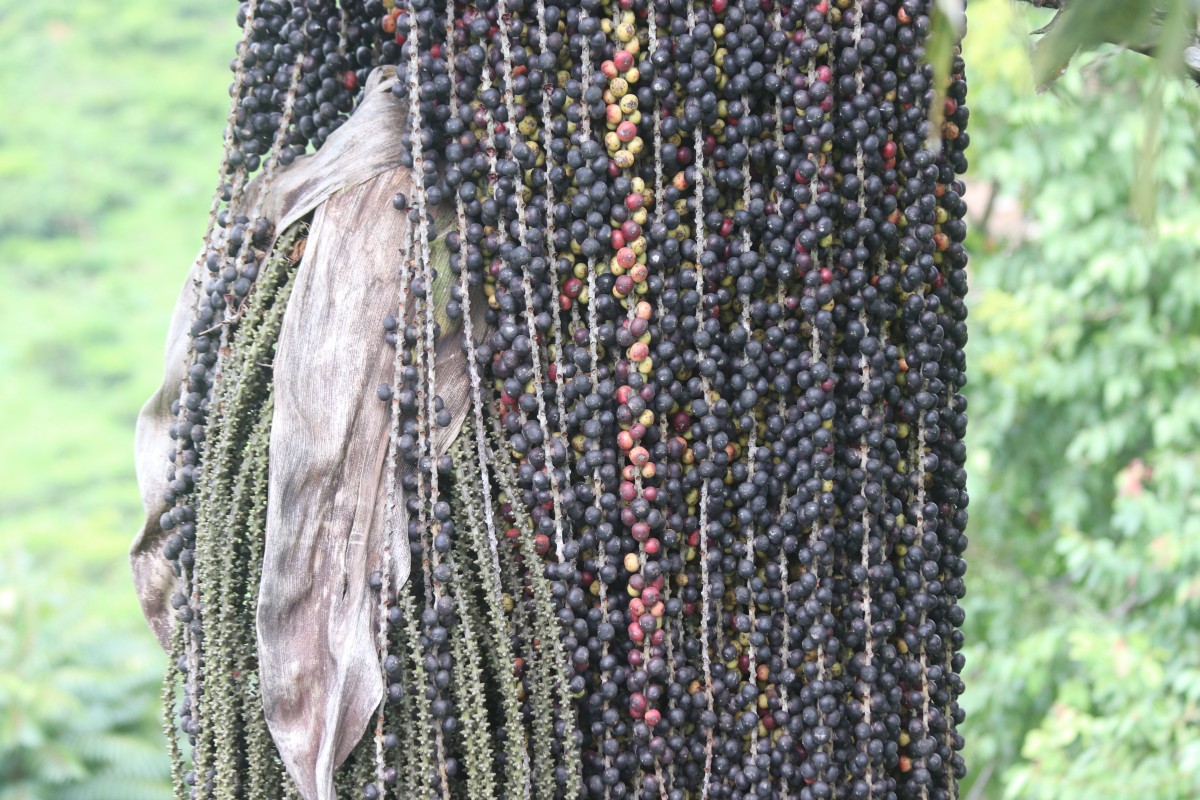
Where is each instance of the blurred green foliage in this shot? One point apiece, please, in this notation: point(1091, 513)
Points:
point(110, 130)
point(77, 698)
point(1083, 666)
point(1083, 669)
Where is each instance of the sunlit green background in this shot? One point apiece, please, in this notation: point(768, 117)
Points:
point(1083, 668)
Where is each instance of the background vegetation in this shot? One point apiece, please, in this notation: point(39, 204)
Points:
point(110, 130)
point(1084, 601)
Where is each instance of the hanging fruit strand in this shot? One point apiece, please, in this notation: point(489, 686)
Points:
point(522, 257)
point(395, 532)
point(433, 512)
point(171, 701)
point(517, 776)
point(235, 92)
point(708, 722)
point(689, 503)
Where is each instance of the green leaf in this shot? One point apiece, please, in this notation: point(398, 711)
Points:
point(948, 28)
point(955, 12)
point(1085, 26)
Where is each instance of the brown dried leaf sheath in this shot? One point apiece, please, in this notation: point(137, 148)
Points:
point(319, 669)
point(349, 157)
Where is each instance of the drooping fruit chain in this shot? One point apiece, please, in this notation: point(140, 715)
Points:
point(700, 532)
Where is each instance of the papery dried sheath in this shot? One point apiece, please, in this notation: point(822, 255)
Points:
point(368, 144)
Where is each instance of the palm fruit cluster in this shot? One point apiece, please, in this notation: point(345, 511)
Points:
point(702, 533)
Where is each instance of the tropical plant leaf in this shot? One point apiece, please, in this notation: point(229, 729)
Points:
point(948, 28)
point(113, 787)
point(1085, 26)
point(1170, 53)
point(123, 754)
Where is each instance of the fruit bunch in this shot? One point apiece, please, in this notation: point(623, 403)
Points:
point(699, 532)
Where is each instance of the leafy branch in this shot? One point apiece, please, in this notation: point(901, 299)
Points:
point(1156, 28)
